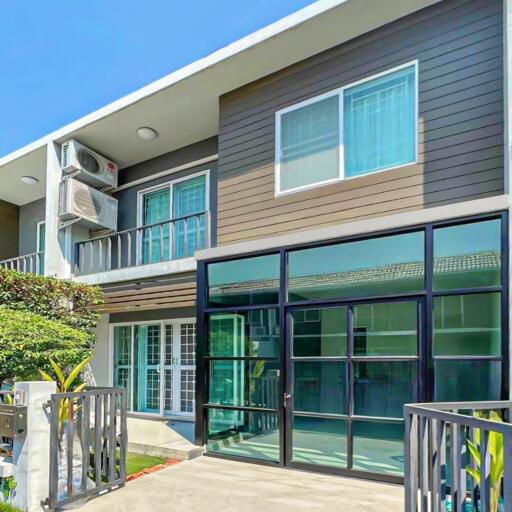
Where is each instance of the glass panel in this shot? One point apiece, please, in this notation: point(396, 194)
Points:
point(188, 344)
point(168, 390)
point(244, 282)
point(382, 388)
point(386, 329)
point(378, 447)
point(189, 198)
point(392, 264)
point(155, 240)
point(187, 382)
point(468, 255)
point(245, 434)
point(310, 144)
point(147, 377)
point(467, 324)
point(466, 380)
point(319, 332)
point(380, 123)
point(248, 333)
point(244, 383)
point(319, 386)
point(123, 358)
point(319, 441)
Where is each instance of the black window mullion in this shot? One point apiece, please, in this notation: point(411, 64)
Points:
point(350, 385)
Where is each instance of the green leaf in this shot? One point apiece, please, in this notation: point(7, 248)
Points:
point(76, 372)
point(474, 473)
point(57, 371)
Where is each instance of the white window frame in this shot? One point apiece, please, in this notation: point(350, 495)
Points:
point(339, 92)
point(170, 184)
point(176, 322)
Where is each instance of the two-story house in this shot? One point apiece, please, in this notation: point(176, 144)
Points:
point(312, 230)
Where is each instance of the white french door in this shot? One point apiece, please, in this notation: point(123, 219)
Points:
point(156, 363)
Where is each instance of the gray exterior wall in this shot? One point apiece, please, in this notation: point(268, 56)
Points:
point(127, 213)
point(459, 47)
point(9, 230)
point(30, 215)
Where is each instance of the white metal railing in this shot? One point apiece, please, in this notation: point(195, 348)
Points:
point(152, 243)
point(32, 263)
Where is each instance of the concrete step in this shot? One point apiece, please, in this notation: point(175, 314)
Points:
point(158, 438)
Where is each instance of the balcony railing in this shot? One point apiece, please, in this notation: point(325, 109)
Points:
point(32, 263)
point(458, 457)
point(153, 243)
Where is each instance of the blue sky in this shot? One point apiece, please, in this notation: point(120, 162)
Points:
point(62, 59)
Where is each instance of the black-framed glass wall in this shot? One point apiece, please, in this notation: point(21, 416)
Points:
point(309, 353)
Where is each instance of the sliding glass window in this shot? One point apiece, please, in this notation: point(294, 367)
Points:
point(364, 127)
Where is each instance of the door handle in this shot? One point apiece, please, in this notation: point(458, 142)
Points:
point(286, 398)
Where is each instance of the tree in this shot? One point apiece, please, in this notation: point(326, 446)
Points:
point(55, 299)
point(28, 341)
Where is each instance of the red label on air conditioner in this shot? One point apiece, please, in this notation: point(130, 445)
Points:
point(111, 166)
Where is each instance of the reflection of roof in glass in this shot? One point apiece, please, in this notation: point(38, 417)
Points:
point(395, 272)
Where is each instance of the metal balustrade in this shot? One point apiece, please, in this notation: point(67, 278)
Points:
point(152, 243)
point(32, 263)
point(453, 453)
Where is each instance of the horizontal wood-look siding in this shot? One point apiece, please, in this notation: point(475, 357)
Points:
point(458, 44)
point(9, 230)
point(165, 293)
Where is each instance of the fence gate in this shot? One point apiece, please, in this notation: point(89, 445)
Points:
point(88, 443)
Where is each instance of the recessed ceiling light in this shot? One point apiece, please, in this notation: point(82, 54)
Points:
point(29, 180)
point(147, 133)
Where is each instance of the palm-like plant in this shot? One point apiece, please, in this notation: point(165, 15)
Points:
point(66, 384)
point(497, 460)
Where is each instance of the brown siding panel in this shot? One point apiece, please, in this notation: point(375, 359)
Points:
point(169, 292)
point(9, 230)
point(458, 44)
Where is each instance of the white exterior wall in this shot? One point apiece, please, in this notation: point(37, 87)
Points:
point(101, 364)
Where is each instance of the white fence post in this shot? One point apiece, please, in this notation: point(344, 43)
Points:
point(31, 453)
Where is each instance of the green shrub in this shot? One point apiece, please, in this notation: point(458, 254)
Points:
point(27, 341)
point(5, 507)
point(68, 302)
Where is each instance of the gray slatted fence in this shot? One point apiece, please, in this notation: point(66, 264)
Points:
point(88, 444)
point(437, 456)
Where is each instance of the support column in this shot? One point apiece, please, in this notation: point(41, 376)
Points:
point(31, 453)
point(57, 256)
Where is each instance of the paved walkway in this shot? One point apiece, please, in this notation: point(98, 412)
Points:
point(214, 485)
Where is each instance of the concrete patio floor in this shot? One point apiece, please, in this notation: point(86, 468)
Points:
point(225, 486)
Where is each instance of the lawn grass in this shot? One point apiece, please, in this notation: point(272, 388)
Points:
point(136, 462)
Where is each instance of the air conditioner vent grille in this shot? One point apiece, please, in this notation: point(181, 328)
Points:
point(86, 203)
point(88, 161)
point(65, 155)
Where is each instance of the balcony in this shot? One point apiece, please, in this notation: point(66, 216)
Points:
point(458, 457)
point(153, 243)
point(32, 263)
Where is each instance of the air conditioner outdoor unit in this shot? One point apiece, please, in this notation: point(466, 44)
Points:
point(92, 208)
point(87, 165)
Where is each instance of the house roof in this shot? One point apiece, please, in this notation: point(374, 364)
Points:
point(183, 106)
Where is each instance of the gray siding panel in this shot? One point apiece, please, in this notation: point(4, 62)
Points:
point(458, 44)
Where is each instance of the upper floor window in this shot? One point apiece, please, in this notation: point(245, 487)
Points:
point(362, 128)
point(174, 218)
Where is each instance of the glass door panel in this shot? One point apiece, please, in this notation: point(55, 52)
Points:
point(155, 240)
point(147, 369)
point(319, 386)
point(352, 369)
